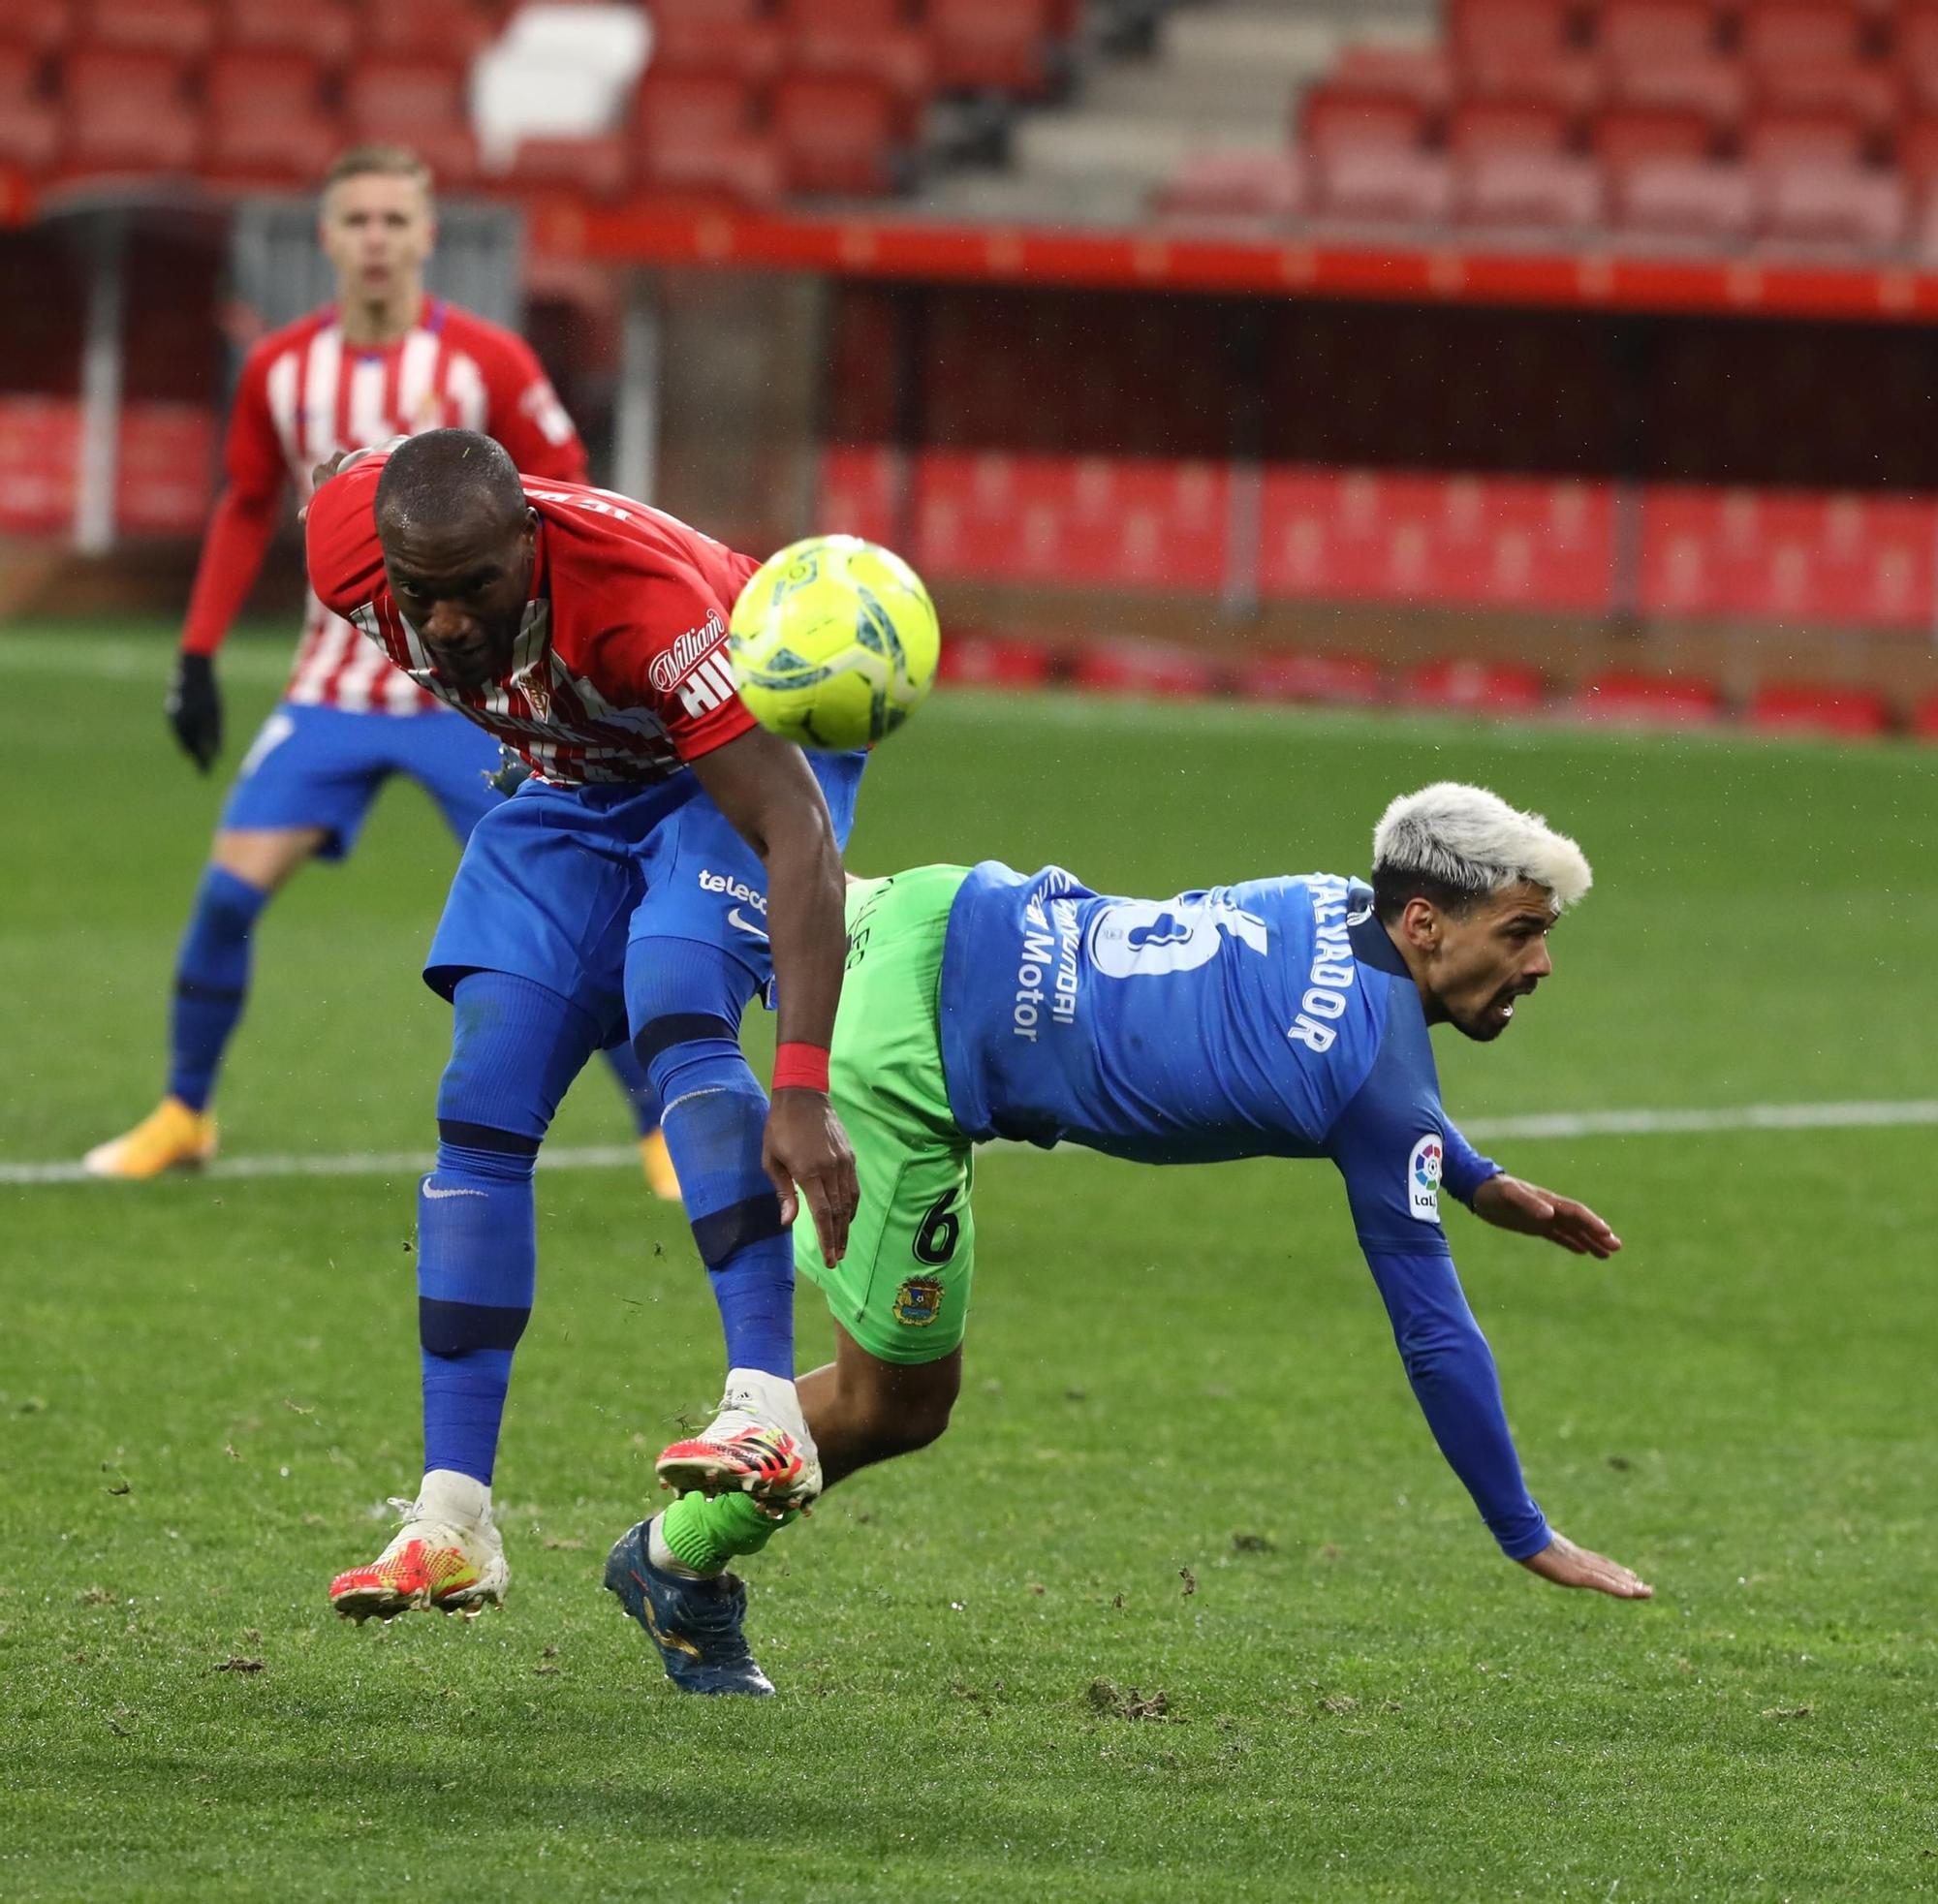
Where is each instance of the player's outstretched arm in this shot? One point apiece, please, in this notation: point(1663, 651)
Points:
point(1569, 1566)
point(764, 787)
point(1510, 1203)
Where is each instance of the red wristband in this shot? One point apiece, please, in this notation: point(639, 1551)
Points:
point(800, 1068)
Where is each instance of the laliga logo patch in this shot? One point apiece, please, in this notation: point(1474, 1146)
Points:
point(1423, 1180)
point(918, 1302)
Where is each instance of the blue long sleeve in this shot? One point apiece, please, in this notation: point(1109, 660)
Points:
point(1464, 1170)
point(1453, 1379)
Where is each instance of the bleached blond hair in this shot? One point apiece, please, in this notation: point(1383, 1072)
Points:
point(1469, 842)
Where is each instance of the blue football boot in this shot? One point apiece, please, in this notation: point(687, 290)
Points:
point(696, 1625)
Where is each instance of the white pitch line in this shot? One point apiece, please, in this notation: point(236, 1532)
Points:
point(1872, 1115)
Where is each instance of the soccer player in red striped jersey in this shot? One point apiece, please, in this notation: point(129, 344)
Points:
point(667, 862)
point(383, 361)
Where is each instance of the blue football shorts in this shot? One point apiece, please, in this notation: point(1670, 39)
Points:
point(323, 766)
point(558, 882)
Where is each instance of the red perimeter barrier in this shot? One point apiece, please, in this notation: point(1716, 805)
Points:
point(907, 248)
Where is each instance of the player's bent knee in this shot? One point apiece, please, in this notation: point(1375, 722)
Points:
point(905, 1406)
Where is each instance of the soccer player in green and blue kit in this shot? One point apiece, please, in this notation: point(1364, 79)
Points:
point(1278, 1018)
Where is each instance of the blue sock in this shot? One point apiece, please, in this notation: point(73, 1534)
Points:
point(516, 1047)
point(211, 983)
point(630, 1075)
point(686, 999)
point(478, 1262)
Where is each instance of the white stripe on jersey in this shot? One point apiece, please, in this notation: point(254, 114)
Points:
point(367, 421)
point(414, 364)
point(280, 388)
point(319, 399)
point(464, 385)
point(326, 640)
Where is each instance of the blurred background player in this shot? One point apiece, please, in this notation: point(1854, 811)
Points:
point(1279, 1018)
point(386, 360)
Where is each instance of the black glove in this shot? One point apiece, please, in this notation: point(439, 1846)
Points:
point(194, 708)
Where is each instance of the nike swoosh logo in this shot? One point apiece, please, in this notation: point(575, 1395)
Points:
point(431, 1191)
point(746, 925)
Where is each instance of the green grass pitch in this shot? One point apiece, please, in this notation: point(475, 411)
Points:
point(1186, 1460)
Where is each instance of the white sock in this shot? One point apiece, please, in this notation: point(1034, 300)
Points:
point(448, 1495)
point(772, 1398)
point(664, 1559)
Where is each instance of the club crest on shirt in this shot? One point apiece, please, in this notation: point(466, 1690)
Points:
point(1422, 1179)
point(918, 1302)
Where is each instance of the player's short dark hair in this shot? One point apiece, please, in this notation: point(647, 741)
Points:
point(449, 479)
point(378, 161)
point(1394, 885)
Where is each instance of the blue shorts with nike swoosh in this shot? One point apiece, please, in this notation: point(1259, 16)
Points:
point(558, 882)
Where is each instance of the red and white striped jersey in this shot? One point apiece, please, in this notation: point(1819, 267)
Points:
point(619, 670)
point(304, 395)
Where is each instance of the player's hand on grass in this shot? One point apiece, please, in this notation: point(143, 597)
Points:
point(806, 1145)
point(194, 707)
point(1511, 1203)
point(1566, 1565)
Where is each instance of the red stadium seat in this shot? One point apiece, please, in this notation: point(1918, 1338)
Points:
point(426, 29)
point(1623, 696)
point(992, 46)
point(1422, 75)
point(1570, 87)
point(1542, 192)
point(1478, 687)
point(1715, 90)
point(1121, 523)
point(1234, 185)
point(1487, 31)
point(996, 661)
point(265, 120)
point(1338, 681)
point(598, 167)
point(836, 133)
point(871, 38)
point(401, 98)
point(185, 28)
point(1144, 668)
point(696, 133)
point(1800, 707)
point(1859, 210)
point(743, 45)
point(1364, 184)
point(1632, 135)
point(1338, 117)
point(40, 459)
point(1477, 127)
point(1685, 201)
point(421, 102)
point(163, 469)
point(1870, 93)
point(324, 29)
point(1918, 155)
point(1352, 535)
point(1924, 718)
point(1802, 33)
point(263, 86)
point(858, 486)
point(127, 112)
point(29, 121)
point(1790, 142)
point(1784, 556)
point(1656, 32)
point(39, 25)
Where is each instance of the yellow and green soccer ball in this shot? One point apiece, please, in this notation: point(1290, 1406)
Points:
point(834, 643)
